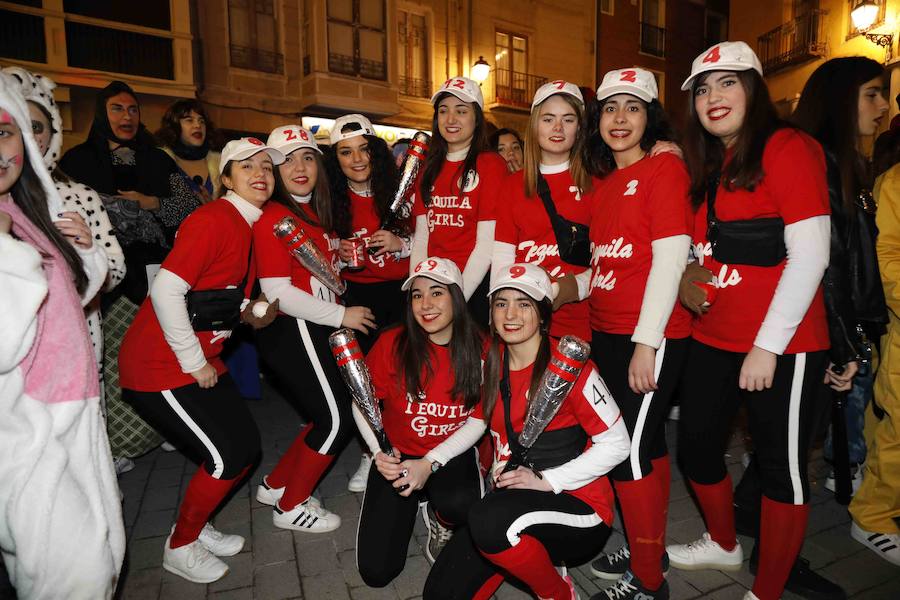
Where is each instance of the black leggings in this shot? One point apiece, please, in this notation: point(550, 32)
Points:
point(213, 424)
point(644, 414)
point(567, 527)
point(384, 299)
point(298, 355)
point(387, 519)
point(782, 419)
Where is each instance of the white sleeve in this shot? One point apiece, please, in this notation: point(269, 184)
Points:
point(24, 288)
point(299, 304)
point(583, 280)
point(365, 430)
point(661, 291)
point(419, 250)
point(808, 247)
point(96, 266)
point(608, 450)
point(459, 441)
point(503, 256)
point(167, 295)
point(480, 259)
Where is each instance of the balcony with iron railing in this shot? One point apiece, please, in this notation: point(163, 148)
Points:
point(417, 88)
point(256, 59)
point(653, 39)
point(797, 41)
point(515, 89)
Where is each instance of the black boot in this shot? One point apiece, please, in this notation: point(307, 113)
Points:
point(803, 581)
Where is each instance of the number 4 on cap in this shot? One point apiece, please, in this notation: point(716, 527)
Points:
point(712, 56)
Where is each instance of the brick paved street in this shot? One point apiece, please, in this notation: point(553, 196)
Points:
point(281, 564)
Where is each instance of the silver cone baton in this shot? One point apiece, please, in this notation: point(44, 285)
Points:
point(566, 362)
point(305, 250)
point(401, 206)
point(356, 376)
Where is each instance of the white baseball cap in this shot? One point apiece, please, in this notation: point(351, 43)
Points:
point(635, 81)
point(364, 127)
point(556, 87)
point(527, 278)
point(725, 56)
point(245, 148)
point(463, 88)
point(441, 270)
point(288, 138)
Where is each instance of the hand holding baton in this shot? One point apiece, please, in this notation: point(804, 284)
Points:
point(352, 367)
point(305, 250)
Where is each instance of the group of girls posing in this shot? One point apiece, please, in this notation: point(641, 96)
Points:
point(633, 217)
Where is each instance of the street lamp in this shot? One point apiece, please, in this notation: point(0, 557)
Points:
point(480, 70)
point(863, 16)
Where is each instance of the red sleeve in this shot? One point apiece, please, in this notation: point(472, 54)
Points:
point(272, 258)
point(669, 205)
point(195, 247)
point(492, 173)
point(506, 230)
point(592, 402)
point(794, 167)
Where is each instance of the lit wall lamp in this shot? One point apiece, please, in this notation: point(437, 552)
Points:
point(480, 70)
point(863, 16)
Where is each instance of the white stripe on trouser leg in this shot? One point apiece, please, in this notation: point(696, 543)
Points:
point(638, 432)
point(793, 425)
point(201, 435)
point(550, 517)
point(324, 384)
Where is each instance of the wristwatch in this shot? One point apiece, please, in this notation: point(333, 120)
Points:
point(435, 465)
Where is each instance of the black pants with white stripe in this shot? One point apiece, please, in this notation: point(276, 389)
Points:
point(566, 526)
point(297, 354)
point(212, 425)
point(387, 519)
point(782, 419)
point(644, 414)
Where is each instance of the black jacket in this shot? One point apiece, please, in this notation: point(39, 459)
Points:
point(853, 292)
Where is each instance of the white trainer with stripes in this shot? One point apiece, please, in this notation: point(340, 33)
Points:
point(885, 545)
point(306, 517)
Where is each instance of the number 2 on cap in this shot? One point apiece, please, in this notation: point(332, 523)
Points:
point(289, 135)
point(712, 56)
point(629, 76)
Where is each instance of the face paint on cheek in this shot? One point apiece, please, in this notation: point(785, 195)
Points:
point(6, 163)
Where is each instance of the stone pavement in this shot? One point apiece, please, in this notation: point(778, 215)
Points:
point(281, 564)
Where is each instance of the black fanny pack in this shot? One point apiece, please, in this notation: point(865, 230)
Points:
point(757, 242)
point(216, 310)
point(551, 448)
point(572, 238)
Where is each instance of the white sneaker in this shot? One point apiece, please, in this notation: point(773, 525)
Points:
point(856, 477)
point(438, 535)
point(193, 562)
point(306, 517)
point(220, 544)
point(167, 447)
point(123, 464)
point(358, 482)
point(885, 545)
point(705, 554)
point(750, 596)
point(270, 496)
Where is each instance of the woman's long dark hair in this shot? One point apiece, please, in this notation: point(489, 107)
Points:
point(828, 110)
point(599, 156)
point(493, 365)
point(437, 149)
point(465, 352)
point(383, 184)
point(29, 196)
point(705, 153)
point(169, 132)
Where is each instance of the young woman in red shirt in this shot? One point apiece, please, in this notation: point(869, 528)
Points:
point(173, 376)
point(640, 238)
point(561, 509)
point(295, 345)
point(427, 372)
point(763, 339)
point(454, 207)
point(554, 179)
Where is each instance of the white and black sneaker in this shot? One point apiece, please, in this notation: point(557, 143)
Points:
point(885, 545)
point(438, 535)
point(629, 587)
point(306, 517)
point(614, 565)
point(270, 496)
